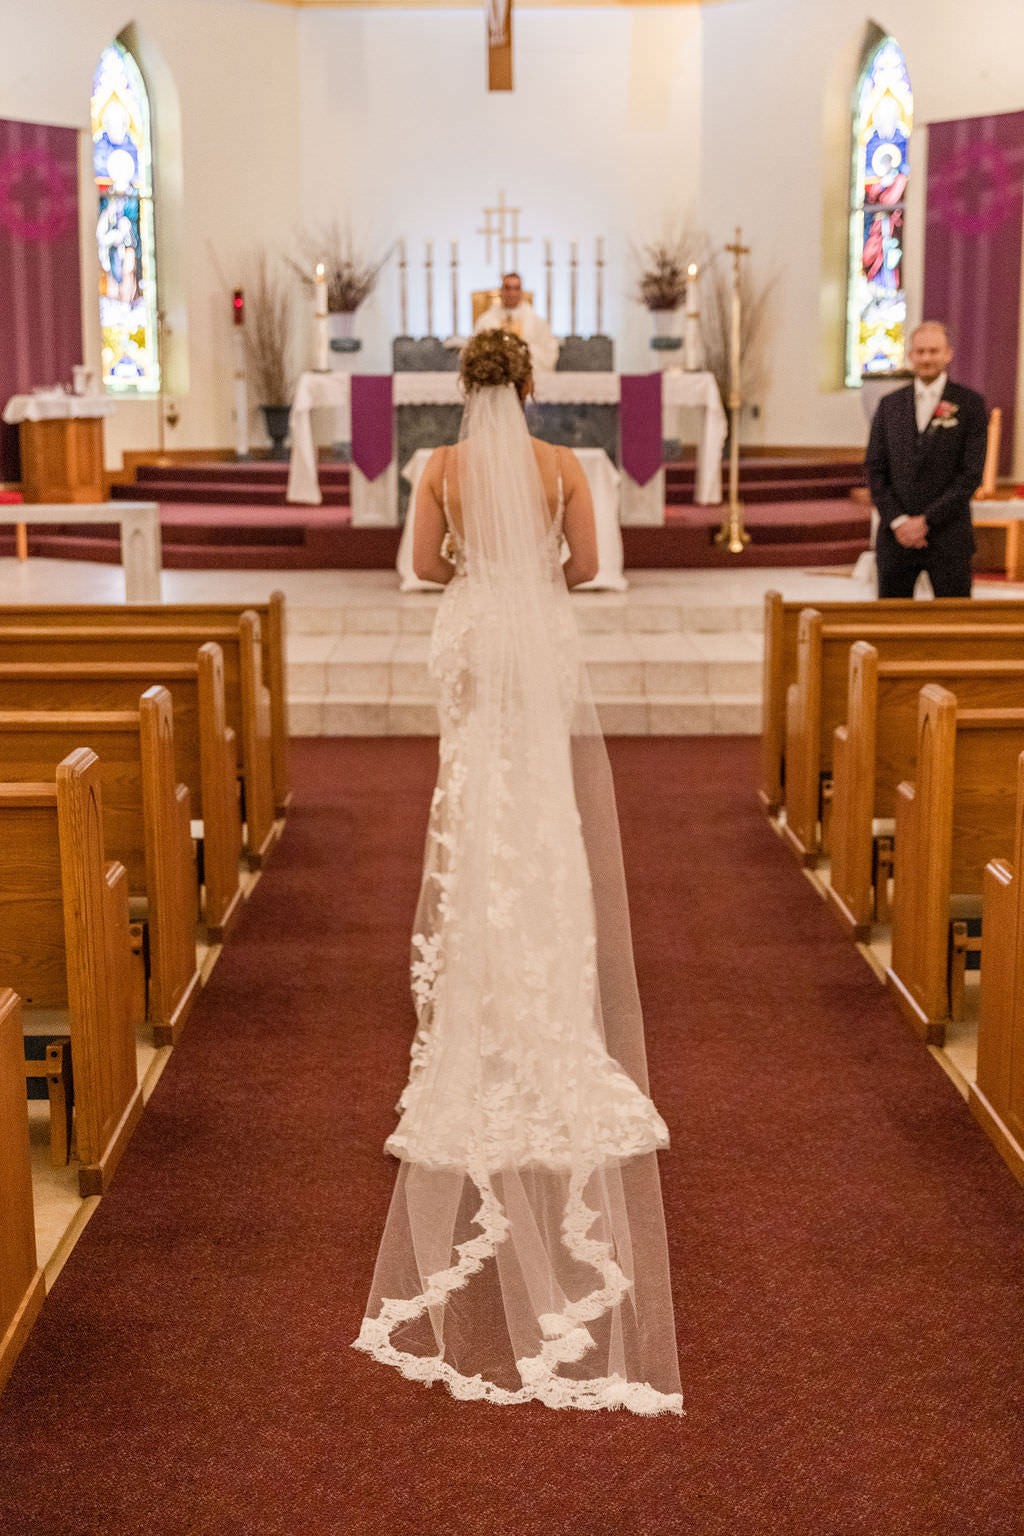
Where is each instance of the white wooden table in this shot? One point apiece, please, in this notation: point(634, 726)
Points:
point(603, 479)
point(139, 521)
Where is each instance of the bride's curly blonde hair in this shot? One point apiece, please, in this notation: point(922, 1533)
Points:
point(495, 357)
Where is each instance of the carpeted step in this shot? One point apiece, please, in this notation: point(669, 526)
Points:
point(232, 472)
point(805, 489)
point(251, 493)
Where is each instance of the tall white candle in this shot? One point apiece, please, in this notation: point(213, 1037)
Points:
point(322, 343)
point(548, 265)
point(599, 288)
point(691, 330)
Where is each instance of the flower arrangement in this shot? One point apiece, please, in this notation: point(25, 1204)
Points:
point(662, 281)
point(351, 278)
point(268, 331)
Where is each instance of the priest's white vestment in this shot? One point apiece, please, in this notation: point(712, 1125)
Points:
point(525, 322)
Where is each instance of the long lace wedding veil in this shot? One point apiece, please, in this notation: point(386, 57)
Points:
point(524, 1255)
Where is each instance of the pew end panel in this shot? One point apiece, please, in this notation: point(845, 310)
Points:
point(22, 1285)
point(773, 714)
point(803, 728)
point(221, 799)
point(851, 887)
point(257, 756)
point(997, 1096)
point(171, 874)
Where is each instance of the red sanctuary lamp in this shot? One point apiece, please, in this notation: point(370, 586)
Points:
point(241, 394)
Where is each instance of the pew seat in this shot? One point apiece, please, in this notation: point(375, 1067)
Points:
point(205, 758)
point(271, 615)
point(955, 817)
point(246, 697)
point(781, 620)
point(65, 946)
point(874, 751)
point(146, 826)
point(816, 701)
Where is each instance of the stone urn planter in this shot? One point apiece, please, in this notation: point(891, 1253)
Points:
point(276, 418)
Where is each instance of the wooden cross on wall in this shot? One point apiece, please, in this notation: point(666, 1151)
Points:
point(499, 45)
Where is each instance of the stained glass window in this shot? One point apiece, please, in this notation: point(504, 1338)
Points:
point(883, 116)
point(123, 168)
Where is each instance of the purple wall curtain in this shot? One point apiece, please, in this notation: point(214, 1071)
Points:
point(40, 279)
point(972, 260)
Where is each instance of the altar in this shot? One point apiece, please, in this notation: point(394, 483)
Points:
point(370, 428)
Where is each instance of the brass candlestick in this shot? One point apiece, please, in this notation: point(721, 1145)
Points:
point(732, 532)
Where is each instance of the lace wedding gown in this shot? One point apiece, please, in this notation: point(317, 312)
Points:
point(524, 1255)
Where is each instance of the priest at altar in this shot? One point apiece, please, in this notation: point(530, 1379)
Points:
point(512, 312)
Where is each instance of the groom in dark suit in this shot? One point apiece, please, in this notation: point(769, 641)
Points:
point(925, 461)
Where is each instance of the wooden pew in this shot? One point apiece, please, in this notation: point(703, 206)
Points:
point(816, 702)
point(956, 816)
point(22, 1286)
point(997, 1096)
point(146, 827)
point(781, 621)
point(271, 615)
point(874, 750)
point(64, 944)
point(205, 757)
point(246, 697)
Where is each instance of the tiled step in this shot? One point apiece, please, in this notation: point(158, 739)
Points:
point(670, 715)
point(643, 680)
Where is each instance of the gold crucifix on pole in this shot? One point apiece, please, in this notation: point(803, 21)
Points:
point(732, 531)
point(499, 44)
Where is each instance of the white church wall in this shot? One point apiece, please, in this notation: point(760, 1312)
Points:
point(228, 71)
point(400, 138)
point(768, 69)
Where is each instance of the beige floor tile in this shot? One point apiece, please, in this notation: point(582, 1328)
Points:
point(354, 717)
point(680, 717)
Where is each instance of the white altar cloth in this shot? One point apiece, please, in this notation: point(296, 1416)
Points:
point(603, 479)
point(333, 391)
point(56, 407)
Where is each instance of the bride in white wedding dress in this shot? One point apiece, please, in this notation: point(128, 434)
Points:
point(524, 1255)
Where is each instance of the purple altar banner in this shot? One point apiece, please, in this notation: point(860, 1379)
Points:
point(640, 425)
point(972, 259)
point(371, 423)
point(40, 279)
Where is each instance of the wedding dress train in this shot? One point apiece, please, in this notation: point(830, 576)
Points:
point(524, 1255)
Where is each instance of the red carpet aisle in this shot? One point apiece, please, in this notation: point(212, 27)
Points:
point(848, 1249)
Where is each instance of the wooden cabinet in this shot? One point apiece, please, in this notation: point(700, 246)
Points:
point(62, 460)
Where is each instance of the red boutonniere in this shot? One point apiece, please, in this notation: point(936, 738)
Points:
point(945, 415)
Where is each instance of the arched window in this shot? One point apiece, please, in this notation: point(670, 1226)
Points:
point(883, 116)
point(123, 168)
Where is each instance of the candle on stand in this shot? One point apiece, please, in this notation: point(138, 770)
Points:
point(429, 272)
point(572, 287)
point(455, 287)
point(692, 359)
point(403, 292)
point(599, 289)
point(548, 268)
point(322, 348)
